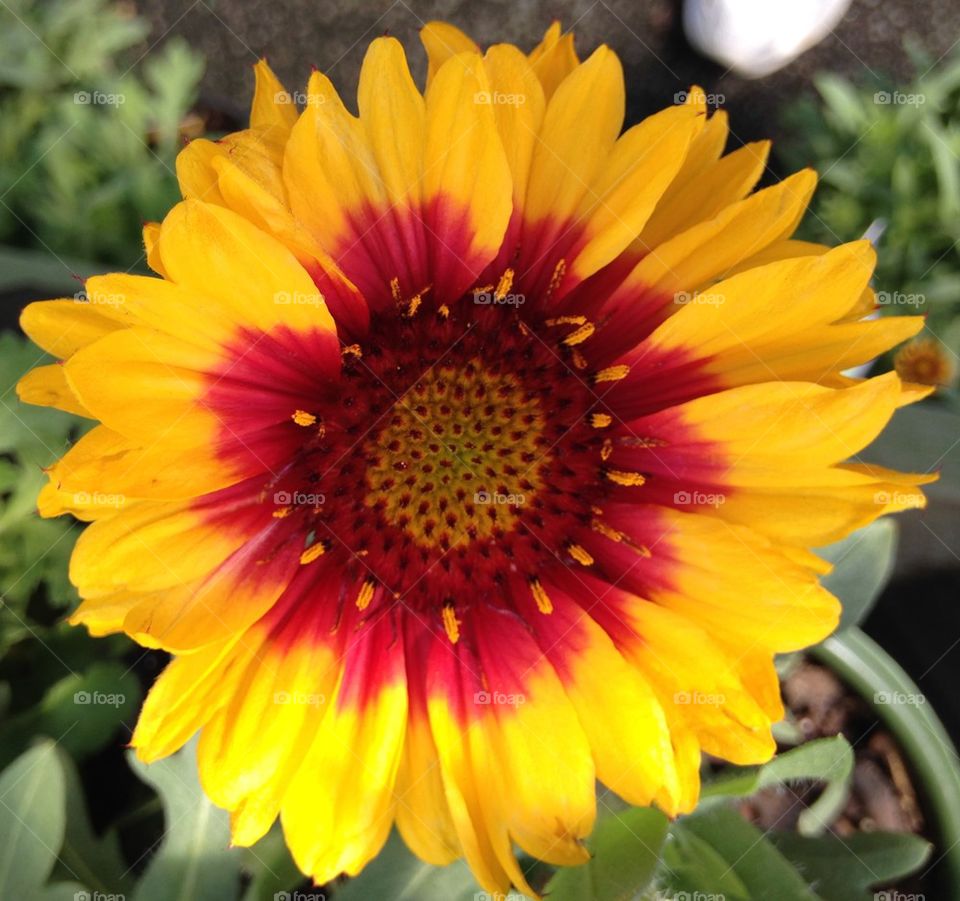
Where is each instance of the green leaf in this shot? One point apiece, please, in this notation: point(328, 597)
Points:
point(83, 711)
point(397, 874)
point(828, 760)
point(94, 860)
point(625, 848)
point(848, 869)
point(194, 861)
point(62, 891)
point(862, 565)
point(735, 846)
point(271, 867)
point(32, 815)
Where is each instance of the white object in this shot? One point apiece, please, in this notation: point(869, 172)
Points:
point(757, 37)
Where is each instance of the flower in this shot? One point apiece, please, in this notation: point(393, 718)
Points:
point(469, 451)
point(926, 362)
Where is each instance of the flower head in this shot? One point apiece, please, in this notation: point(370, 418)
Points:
point(470, 450)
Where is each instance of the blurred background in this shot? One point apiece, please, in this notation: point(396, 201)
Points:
point(96, 98)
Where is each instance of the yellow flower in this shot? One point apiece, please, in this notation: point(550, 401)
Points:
point(926, 362)
point(466, 451)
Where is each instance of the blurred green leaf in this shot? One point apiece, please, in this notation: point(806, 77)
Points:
point(862, 565)
point(625, 848)
point(32, 816)
point(271, 868)
point(849, 869)
point(194, 861)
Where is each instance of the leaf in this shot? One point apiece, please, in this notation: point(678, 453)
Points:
point(828, 760)
point(848, 869)
point(62, 891)
point(735, 846)
point(32, 815)
point(83, 711)
point(194, 861)
point(96, 861)
point(271, 867)
point(862, 565)
point(625, 848)
point(397, 874)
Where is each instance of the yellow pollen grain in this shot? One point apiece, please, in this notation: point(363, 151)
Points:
point(451, 624)
point(606, 450)
point(607, 531)
point(600, 420)
point(580, 335)
point(544, 604)
point(413, 305)
point(625, 478)
point(352, 350)
point(579, 360)
point(282, 513)
point(312, 552)
point(505, 284)
point(567, 320)
point(366, 595)
point(302, 417)
point(395, 290)
point(612, 373)
point(581, 555)
point(557, 277)
point(444, 311)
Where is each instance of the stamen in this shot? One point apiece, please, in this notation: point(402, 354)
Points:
point(505, 284)
point(450, 623)
point(612, 373)
point(625, 478)
point(580, 335)
point(544, 604)
point(282, 513)
point(444, 311)
point(581, 555)
point(395, 290)
point(303, 418)
point(579, 360)
point(312, 552)
point(567, 320)
point(557, 277)
point(366, 594)
point(600, 420)
point(352, 350)
point(606, 450)
point(607, 531)
point(413, 305)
